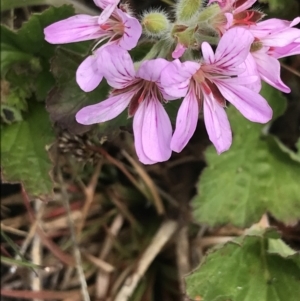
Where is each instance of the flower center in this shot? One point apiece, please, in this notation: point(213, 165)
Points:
point(144, 89)
point(248, 17)
point(203, 84)
point(256, 45)
point(114, 25)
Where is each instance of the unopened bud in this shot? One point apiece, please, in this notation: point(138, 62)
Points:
point(187, 9)
point(155, 23)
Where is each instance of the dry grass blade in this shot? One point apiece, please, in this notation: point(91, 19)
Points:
point(182, 255)
point(89, 196)
point(103, 265)
point(84, 287)
point(36, 253)
point(48, 243)
point(44, 295)
point(148, 181)
point(13, 230)
point(292, 70)
point(164, 233)
point(102, 281)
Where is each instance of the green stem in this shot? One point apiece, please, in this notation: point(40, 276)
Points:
point(79, 8)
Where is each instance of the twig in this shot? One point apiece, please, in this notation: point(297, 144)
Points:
point(115, 162)
point(45, 295)
point(148, 181)
point(292, 70)
point(214, 240)
point(84, 287)
point(106, 267)
point(162, 236)
point(36, 254)
point(102, 281)
point(48, 243)
point(182, 256)
point(89, 197)
point(13, 230)
point(128, 215)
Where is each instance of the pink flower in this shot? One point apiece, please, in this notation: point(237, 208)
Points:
point(141, 92)
point(211, 83)
point(234, 6)
point(237, 12)
point(108, 7)
point(274, 39)
point(119, 28)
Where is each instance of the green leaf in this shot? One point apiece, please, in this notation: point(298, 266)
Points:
point(246, 271)
point(27, 50)
point(277, 246)
point(30, 37)
point(23, 151)
point(252, 178)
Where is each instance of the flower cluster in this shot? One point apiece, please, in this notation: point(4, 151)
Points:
point(181, 64)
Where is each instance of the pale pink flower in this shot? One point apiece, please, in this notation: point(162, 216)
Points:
point(108, 7)
point(274, 39)
point(234, 6)
point(141, 92)
point(237, 12)
point(209, 85)
point(119, 28)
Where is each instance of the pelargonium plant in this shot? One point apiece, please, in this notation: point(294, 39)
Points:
point(211, 53)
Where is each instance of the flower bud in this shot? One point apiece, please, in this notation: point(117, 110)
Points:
point(155, 23)
point(187, 9)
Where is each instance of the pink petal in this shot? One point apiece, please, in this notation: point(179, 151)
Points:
point(151, 70)
point(247, 4)
point(207, 52)
point(176, 76)
point(132, 30)
point(250, 70)
point(88, 76)
point(283, 38)
point(230, 18)
point(178, 51)
point(74, 29)
point(116, 65)
point(108, 7)
point(138, 123)
point(186, 122)
point(252, 105)
point(269, 70)
point(233, 47)
point(104, 3)
point(105, 110)
point(291, 49)
point(156, 131)
point(217, 124)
